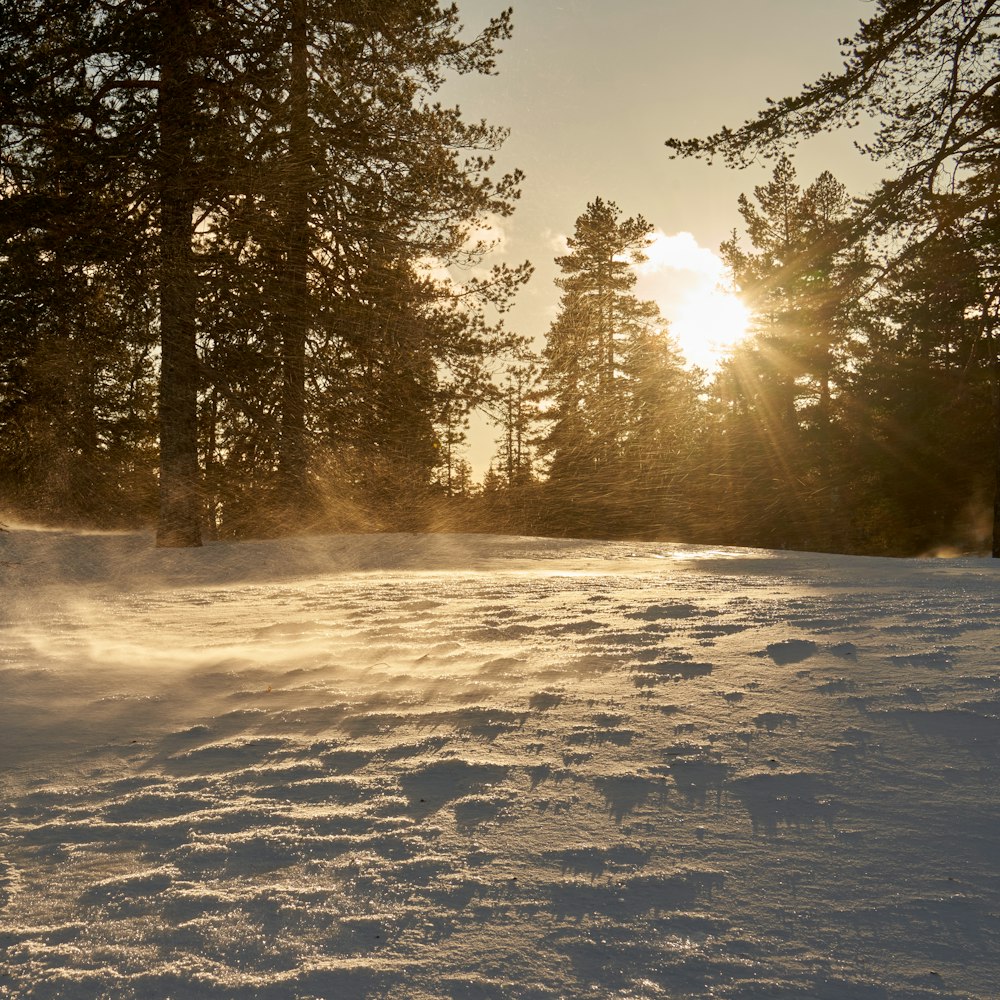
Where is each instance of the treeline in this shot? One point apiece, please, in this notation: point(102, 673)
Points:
point(604, 434)
point(913, 398)
point(220, 225)
point(855, 417)
point(858, 416)
point(863, 414)
point(229, 240)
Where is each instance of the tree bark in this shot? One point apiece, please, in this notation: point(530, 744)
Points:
point(995, 388)
point(180, 494)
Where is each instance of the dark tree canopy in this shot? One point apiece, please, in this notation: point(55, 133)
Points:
point(260, 187)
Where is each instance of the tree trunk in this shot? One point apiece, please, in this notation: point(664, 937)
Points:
point(996, 491)
point(180, 496)
point(294, 307)
point(995, 388)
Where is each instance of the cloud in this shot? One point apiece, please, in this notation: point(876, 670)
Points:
point(678, 269)
point(556, 242)
point(490, 232)
point(692, 286)
point(681, 252)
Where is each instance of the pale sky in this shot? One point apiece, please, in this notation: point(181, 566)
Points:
point(591, 89)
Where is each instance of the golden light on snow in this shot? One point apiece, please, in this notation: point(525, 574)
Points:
point(692, 286)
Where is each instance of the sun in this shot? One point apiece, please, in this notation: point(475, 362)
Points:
point(692, 286)
point(708, 323)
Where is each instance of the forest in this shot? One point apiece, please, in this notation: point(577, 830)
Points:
point(237, 294)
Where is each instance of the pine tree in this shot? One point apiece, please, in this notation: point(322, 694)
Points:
point(274, 159)
point(517, 416)
point(146, 118)
point(663, 449)
point(920, 395)
point(75, 344)
point(604, 352)
point(363, 176)
point(926, 71)
point(803, 279)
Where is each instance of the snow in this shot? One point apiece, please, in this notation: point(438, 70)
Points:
point(413, 767)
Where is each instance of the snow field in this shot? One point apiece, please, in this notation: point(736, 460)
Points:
point(444, 766)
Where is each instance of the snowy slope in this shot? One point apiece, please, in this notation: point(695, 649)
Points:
point(478, 767)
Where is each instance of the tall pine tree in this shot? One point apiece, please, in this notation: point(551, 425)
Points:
point(607, 356)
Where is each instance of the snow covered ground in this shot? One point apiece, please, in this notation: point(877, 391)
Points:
point(477, 767)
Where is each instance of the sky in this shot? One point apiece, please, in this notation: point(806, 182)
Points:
point(591, 89)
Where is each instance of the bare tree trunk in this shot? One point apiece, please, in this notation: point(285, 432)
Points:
point(995, 388)
point(829, 534)
point(180, 496)
point(294, 308)
point(996, 489)
point(212, 504)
